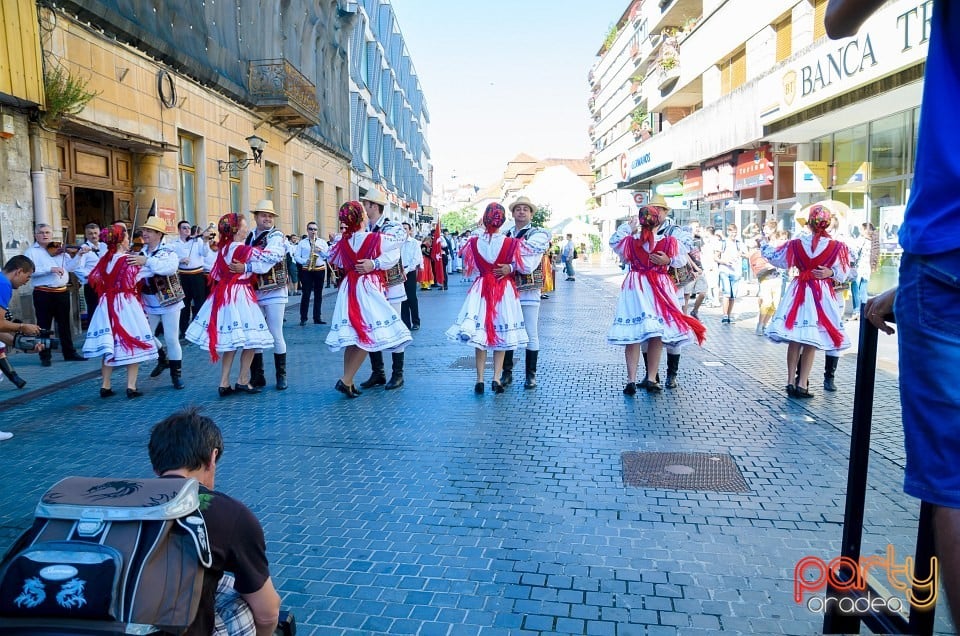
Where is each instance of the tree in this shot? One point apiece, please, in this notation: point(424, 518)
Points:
point(459, 220)
point(541, 217)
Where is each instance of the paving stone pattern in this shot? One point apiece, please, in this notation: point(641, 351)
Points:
point(430, 510)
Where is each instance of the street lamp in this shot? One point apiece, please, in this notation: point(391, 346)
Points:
point(256, 146)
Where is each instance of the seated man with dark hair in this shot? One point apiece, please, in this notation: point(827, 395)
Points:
point(188, 444)
point(16, 273)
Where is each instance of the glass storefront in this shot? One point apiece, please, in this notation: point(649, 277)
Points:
point(871, 167)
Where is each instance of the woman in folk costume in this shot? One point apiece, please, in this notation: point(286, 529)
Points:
point(810, 315)
point(230, 319)
point(491, 316)
point(362, 320)
point(425, 275)
point(119, 330)
point(648, 309)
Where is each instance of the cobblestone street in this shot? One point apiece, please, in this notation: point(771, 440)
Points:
point(430, 510)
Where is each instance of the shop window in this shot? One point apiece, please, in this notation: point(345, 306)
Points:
point(784, 31)
point(188, 177)
point(339, 197)
point(851, 164)
point(888, 146)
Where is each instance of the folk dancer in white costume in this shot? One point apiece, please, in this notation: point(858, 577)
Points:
point(119, 332)
point(491, 317)
point(230, 319)
point(158, 262)
point(363, 320)
point(536, 241)
point(394, 236)
point(270, 267)
point(649, 306)
point(809, 316)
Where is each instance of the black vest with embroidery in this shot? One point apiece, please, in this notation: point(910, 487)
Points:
point(276, 277)
point(533, 280)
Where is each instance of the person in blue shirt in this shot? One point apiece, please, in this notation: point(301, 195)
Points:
point(16, 272)
point(927, 301)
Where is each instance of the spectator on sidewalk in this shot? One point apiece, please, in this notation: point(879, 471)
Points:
point(16, 272)
point(729, 256)
point(188, 444)
point(927, 299)
point(711, 272)
point(412, 262)
point(768, 285)
point(567, 255)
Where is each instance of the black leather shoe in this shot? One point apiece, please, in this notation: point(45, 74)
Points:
point(396, 381)
point(791, 390)
point(478, 388)
point(46, 362)
point(802, 393)
point(245, 388)
point(415, 328)
point(74, 358)
point(630, 389)
point(829, 385)
point(133, 393)
point(653, 387)
point(354, 391)
point(375, 379)
point(303, 323)
point(224, 391)
point(496, 387)
point(319, 322)
point(105, 393)
point(672, 381)
point(346, 390)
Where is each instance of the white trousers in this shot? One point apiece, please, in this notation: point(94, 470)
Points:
point(531, 321)
point(396, 308)
point(171, 332)
point(274, 315)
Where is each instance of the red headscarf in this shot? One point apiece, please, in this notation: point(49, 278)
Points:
point(818, 220)
point(494, 217)
point(651, 217)
point(351, 215)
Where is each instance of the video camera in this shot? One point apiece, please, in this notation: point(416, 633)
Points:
point(29, 343)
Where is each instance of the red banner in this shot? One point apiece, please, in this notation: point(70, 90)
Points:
point(693, 184)
point(754, 169)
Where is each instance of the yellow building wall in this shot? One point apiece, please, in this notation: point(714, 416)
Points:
point(128, 104)
point(21, 68)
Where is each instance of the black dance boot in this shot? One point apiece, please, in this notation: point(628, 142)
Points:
point(280, 362)
point(257, 379)
point(176, 366)
point(646, 366)
point(829, 370)
point(11, 373)
point(506, 376)
point(396, 377)
point(377, 375)
point(531, 368)
point(673, 365)
point(162, 364)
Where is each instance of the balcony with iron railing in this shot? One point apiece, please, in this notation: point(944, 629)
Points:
point(283, 93)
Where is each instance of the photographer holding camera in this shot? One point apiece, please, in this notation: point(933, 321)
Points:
point(16, 272)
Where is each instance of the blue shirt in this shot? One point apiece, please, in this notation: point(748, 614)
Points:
point(930, 220)
point(6, 292)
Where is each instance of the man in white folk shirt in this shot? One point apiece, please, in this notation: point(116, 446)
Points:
point(309, 255)
point(51, 299)
point(86, 259)
point(157, 262)
point(191, 250)
point(374, 203)
point(529, 286)
point(270, 266)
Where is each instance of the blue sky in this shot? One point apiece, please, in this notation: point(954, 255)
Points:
point(502, 77)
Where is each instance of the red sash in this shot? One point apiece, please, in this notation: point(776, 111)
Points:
point(343, 255)
point(798, 257)
point(492, 288)
point(226, 286)
point(115, 286)
point(661, 285)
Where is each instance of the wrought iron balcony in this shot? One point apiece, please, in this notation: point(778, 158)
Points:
point(284, 93)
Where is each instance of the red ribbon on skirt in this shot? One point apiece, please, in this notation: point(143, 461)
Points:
point(492, 289)
point(798, 257)
point(115, 286)
point(343, 255)
point(226, 287)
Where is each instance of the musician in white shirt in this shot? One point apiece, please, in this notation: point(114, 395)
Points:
point(412, 260)
point(310, 254)
point(85, 260)
point(191, 250)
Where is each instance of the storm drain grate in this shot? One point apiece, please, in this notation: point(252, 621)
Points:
point(682, 471)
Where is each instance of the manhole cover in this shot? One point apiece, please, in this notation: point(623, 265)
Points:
point(469, 362)
point(682, 471)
